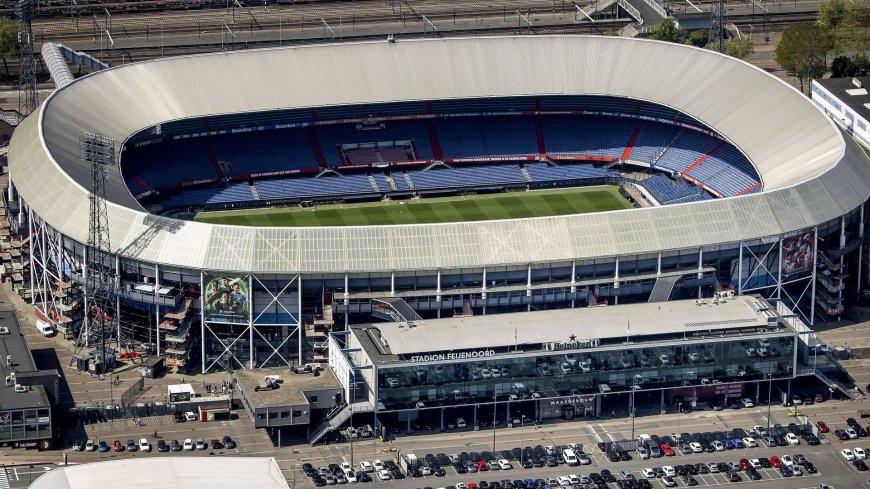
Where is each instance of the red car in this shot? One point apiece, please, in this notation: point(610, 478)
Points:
point(472, 485)
point(823, 428)
point(481, 466)
point(667, 450)
point(744, 464)
point(775, 462)
point(117, 446)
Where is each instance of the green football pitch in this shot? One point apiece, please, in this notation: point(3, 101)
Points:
point(511, 205)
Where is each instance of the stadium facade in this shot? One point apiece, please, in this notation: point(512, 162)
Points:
point(796, 236)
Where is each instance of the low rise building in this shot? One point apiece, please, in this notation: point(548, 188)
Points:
point(279, 397)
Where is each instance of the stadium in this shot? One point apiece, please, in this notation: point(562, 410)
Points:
point(264, 199)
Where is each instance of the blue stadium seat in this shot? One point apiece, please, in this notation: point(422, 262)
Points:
point(332, 137)
point(497, 136)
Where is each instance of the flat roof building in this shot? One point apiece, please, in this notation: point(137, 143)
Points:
point(554, 363)
point(280, 397)
point(27, 394)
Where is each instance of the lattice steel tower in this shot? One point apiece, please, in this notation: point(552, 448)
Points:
point(101, 322)
point(717, 26)
point(27, 100)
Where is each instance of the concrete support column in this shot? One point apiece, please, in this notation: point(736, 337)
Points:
point(663, 410)
point(346, 289)
point(483, 286)
point(156, 308)
point(813, 284)
point(659, 264)
point(442, 419)
point(392, 284)
point(757, 392)
point(529, 281)
point(700, 266)
point(740, 269)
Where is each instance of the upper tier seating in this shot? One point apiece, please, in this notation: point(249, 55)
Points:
point(260, 152)
point(333, 136)
point(686, 149)
point(727, 171)
point(603, 137)
point(651, 141)
point(497, 136)
point(168, 163)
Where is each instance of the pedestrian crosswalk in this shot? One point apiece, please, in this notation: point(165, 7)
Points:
point(4, 478)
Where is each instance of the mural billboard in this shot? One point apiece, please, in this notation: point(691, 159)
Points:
point(798, 254)
point(226, 299)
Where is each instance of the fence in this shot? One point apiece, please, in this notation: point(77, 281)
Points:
point(133, 392)
point(104, 413)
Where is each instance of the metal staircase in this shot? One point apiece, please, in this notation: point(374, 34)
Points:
point(337, 418)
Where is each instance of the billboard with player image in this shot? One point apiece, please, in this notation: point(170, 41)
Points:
point(798, 253)
point(226, 299)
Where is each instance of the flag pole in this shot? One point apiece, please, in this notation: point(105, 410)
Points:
point(628, 331)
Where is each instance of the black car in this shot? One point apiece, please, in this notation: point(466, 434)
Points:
point(607, 476)
point(363, 477)
point(176, 447)
point(689, 480)
point(229, 442)
point(439, 472)
point(318, 481)
point(810, 468)
point(753, 474)
point(307, 468)
point(860, 465)
point(841, 435)
point(613, 456)
point(216, 445)
point(179, 418)
point(765, 462)
point(162, 446)
point(733, 476)
point(624, 455)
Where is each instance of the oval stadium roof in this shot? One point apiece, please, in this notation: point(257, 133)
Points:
point(811, 173)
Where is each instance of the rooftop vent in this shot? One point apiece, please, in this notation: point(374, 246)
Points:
point(857, 83)
point(4, 329)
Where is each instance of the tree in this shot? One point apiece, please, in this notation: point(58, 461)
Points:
point(667, 31)
point(698, 38)
point(8, 41)
point(832, 13)
point(741, 48)
point(841, 67)
point(802, 51)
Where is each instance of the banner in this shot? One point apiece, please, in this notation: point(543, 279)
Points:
point(226, 299)
point(797, 253)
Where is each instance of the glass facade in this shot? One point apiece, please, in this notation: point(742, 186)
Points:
point(585, 372)
point(25, 424)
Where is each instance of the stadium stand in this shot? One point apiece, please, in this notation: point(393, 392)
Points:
point(247, 153)
point(667, 191)
point(188, 160)
point(499, 136)
point(541, 172)
point(312, 187)
point(600, 137)
point(727, 171)
point(234, 192)
point(652, 140)
point(686, 149)
point(466, 177)
point(691, 198)
point(332, 137)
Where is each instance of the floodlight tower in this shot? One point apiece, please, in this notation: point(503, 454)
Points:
point(717, 26)
point(27, 100)
point(100, 320)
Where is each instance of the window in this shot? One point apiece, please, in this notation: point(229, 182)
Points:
point(285, 414)
point(313, 399)
point(296, 414)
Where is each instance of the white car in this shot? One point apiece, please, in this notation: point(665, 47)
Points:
point(696, 447)
point(669, 470)
point(144, 446)
point(392, 382)
point(566, 369)
point(796, 471)
point(503, 464)
point(750, 352)
point(188, 444)
point(664, 359)
point(852, 433)
point(604, 388)
point(859, 452)
point(849, 455)
point(796, 400)
point(755, 463)
point(350, 476)
point(190, 416)
point(694, 357)
point(747, 402)
point(201, 444)
point(485, 373)
point(759, 430)
point(792, 439)
point(384, 475)
point(585, 367)
point(90, 446)
point(574, 479)
point(719, 446)
point(564, 481)
point(378, 465)
point(749, 442)
point(787, 460)
point(648, 473)
point(345, 466)
point(366, 467)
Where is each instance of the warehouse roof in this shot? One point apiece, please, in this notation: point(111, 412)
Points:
point(567, 325)
point(13, 346)
point(810, 173)
point(292, 390)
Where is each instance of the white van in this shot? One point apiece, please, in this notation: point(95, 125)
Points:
point(570, 457)
point(460, 423)
point(44, 328)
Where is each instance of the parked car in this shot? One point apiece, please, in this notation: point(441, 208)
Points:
point(175, 446)
point(144, 445)
point(217, 445)
point(78, 446)
point(162, 446)
point(132, 446)
point(188, 444)
point(118, 446)
point(103, 447)
point(229, 443)
point(823, 428)
point(200, 444)
point(90, 446)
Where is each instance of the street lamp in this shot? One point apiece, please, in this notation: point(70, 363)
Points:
point(522, 435)
point(769, 400)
